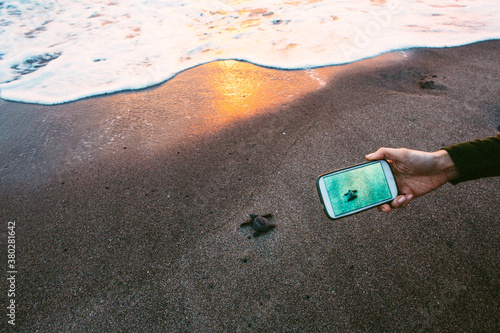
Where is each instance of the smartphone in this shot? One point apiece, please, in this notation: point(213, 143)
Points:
point(357, 188)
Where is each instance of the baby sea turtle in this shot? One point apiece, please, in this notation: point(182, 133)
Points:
point(260, 223)
point(350, 195)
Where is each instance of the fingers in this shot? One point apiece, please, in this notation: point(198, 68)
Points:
point(384, 208)
point(401, 201)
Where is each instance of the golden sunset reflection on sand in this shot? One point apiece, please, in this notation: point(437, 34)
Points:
point(238, 89)
point(235, 90)
point(209, 98)
point(205, 100)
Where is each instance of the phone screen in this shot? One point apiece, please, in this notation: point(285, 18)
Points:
point(356, 188)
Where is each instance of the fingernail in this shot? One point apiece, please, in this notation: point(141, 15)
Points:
point(401, 200)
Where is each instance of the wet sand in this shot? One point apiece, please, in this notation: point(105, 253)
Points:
point(128, 206)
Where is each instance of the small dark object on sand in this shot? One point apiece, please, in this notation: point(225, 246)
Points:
point(260, 223)
point(350, 195)
point(425, 82)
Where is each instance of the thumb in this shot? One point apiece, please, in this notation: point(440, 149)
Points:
point(380, 154)
point(384, 154)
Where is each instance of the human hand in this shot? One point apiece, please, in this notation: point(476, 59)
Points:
point(416, 172)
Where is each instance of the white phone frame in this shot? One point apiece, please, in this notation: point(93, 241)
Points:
point(325, 199)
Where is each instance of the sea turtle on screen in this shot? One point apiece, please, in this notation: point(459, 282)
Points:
point(351, 195)
point(260, 223)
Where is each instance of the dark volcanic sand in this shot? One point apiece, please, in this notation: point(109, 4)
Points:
point(128, 206)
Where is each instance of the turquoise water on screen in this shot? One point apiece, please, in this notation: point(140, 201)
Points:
point(370, 185)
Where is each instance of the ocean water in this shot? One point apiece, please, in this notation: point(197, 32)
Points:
point(56, 51)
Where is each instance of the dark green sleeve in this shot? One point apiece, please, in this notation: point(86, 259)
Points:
point(476, 159)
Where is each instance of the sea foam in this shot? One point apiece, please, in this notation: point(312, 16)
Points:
point(58, 51)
